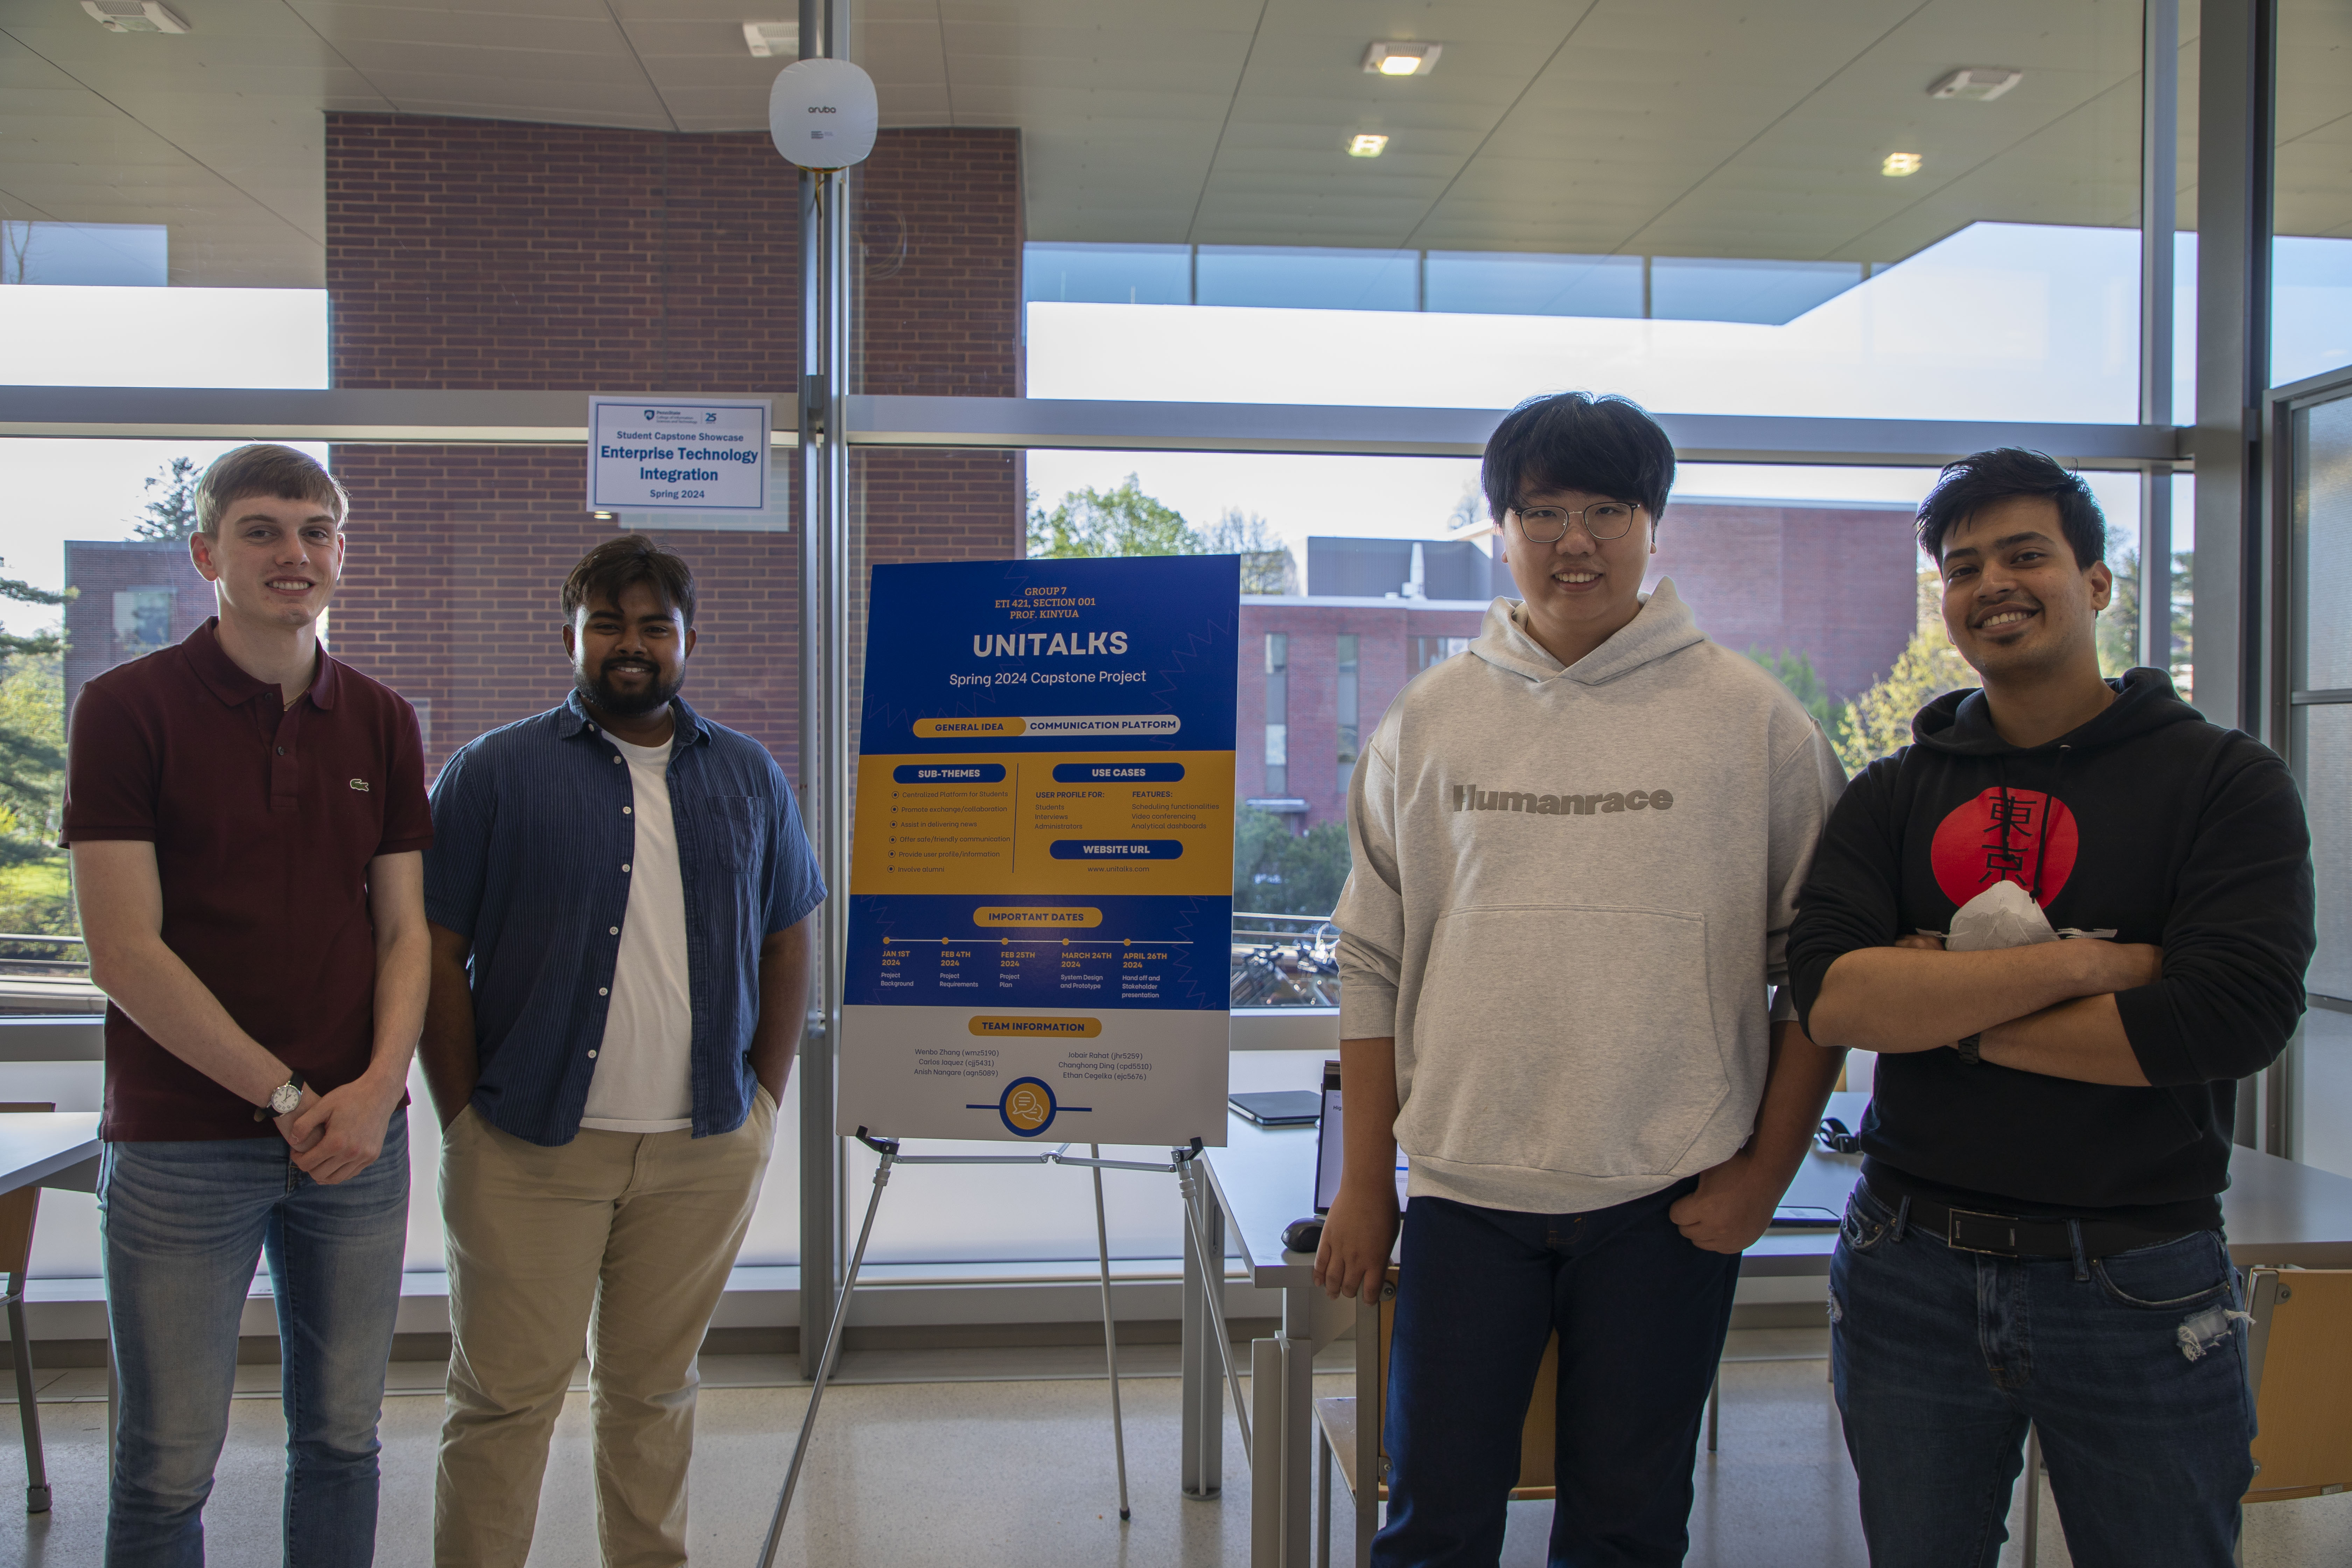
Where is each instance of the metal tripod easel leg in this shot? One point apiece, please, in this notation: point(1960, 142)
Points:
point(1110, 1334)
point(889, 1149)
point(1179, 1162)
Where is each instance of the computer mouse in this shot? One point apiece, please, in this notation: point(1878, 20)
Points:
point(1303, 1234)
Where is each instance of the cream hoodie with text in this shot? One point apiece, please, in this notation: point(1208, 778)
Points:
point(1570, 891)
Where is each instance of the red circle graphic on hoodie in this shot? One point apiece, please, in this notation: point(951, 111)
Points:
point(2021, 835)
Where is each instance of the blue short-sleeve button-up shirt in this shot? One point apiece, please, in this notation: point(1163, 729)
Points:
point(530, 844)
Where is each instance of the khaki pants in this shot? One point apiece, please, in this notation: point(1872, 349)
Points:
point(620, 1240)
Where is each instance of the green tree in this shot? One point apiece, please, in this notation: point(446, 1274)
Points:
point(1126, 522)
point(2119, 623)
point(1796, 671)
point(1278, 872)
point(173, 514)
point(1122, 521)
point(32, 757)
point(32, 737)
point(1879, 721)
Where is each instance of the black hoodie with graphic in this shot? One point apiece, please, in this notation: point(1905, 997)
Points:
point(2149, 822)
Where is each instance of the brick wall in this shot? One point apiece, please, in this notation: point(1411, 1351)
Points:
point(1836, 583)
point(476, 254)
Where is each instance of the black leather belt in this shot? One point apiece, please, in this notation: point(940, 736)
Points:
point(2010, 1235)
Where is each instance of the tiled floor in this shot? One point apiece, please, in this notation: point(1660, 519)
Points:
point(1004, 1458)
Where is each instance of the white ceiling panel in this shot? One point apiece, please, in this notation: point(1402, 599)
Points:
point(1672, 127)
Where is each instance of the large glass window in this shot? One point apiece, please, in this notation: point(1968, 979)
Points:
point(1794, 219)
point(2311, 259)
point(2319, 745)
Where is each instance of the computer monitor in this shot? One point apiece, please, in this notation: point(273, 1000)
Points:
point(1331, 1139)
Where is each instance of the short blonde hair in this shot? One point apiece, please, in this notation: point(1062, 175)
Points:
point(265, 469)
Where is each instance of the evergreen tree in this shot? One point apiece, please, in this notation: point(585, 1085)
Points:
point(32, 733)
point(173, 514)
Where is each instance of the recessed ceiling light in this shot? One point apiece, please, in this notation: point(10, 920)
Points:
point(1368, 146)
point(1899, 165)
point(1401, 58)
point(135, 15)
point(770, 39)
point(1980, 84)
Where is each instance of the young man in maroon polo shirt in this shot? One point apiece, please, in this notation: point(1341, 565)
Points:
point(247, 820)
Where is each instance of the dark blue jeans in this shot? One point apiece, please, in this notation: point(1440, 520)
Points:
point(2132, 1367)
point(183, 1226)
point(1642, 1315)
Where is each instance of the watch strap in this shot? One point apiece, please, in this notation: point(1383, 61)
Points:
point(1968, 1046)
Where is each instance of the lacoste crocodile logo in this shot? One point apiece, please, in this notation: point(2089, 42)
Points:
point(361, 786)
point(1470, 797)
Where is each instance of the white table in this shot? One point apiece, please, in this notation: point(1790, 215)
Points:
point(2274, 1212)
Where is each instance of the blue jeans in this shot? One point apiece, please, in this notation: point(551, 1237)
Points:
point(184, 1225)
point(1641, 1314)
point(2131, 1367)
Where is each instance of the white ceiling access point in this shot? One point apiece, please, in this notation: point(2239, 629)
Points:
point(135, 15)
point(1702, 128)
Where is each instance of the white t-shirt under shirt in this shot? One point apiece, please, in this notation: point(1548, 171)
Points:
point(645, 1065)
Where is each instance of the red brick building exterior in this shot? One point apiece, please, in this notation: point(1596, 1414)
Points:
point(133, 596)
point(489, 254)
point(1384, 629)
point(1837, 583)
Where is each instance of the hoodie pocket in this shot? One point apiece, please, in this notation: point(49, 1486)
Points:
point(1575, 1039)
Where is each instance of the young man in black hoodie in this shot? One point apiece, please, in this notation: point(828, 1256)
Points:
point(2037, 1234)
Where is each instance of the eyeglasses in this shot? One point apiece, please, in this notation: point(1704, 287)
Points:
point(1548, 525)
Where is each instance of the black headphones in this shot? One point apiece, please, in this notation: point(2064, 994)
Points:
point(1834, 1137)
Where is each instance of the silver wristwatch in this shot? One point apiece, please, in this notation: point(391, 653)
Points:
point(282, 1099)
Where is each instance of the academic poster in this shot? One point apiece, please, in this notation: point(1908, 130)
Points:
point(1041, 884)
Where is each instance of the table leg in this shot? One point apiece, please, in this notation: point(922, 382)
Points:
point(1268, 1447)
point(29, 1404)
point(1202, 1432)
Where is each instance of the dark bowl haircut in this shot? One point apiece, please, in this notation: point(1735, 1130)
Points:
point(1980, 479)
point(1603, 446)
point(621, 564)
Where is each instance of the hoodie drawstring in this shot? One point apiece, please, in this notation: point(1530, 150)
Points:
point(2049, 821)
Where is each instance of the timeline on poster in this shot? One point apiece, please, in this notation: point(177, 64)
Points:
point(703, 454)
point(1041, 887)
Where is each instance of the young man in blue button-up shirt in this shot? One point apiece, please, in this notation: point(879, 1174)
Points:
point(632, 887)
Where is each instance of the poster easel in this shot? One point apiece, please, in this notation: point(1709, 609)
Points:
point(1179, 1163)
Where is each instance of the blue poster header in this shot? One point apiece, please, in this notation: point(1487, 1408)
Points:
point(1057, 655)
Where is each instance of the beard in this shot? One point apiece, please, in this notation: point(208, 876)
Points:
point(599, 693)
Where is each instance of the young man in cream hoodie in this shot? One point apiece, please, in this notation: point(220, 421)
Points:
point(1577, 851)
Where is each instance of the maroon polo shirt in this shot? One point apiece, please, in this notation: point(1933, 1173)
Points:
point(264, 819)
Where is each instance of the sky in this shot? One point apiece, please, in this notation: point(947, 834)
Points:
point(1997, 321)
